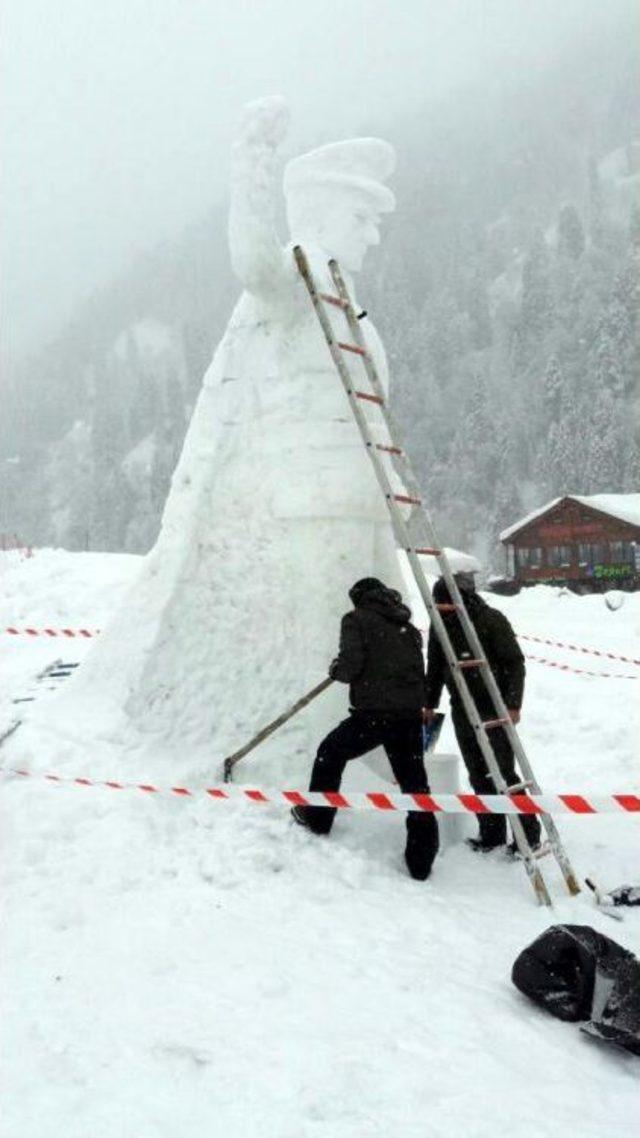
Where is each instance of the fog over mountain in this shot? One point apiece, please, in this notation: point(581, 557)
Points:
point(118, 117)
point(506, 289)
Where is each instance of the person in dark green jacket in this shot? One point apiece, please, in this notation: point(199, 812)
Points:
point(506, 661)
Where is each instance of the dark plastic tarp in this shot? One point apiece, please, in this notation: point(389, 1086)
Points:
point(578, 974)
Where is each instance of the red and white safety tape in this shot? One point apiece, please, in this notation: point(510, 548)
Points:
point(580, 671)
point(575, 648)
point(429, 803)
point(89, 633)
point(578, 648)
point(68, 632)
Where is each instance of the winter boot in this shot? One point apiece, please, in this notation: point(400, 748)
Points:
point(479, 845)
point(493, 833)
point(514, 853)
point(301, 816)
point(418, 861)
point(531, 827)
point(422, 845)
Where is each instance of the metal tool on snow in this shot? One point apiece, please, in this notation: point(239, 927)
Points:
point(231, 760)
point(423, 542)
point(602, 900)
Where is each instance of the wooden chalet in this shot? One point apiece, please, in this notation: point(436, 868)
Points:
point(590, 544)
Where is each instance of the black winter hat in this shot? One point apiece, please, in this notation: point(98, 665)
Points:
point(441, 593)
point(364, 585)
point(465, 583)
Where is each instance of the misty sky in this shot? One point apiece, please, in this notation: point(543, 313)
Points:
point(119, 114)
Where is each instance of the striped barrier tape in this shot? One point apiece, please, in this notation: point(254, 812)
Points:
point(574, 648)
point(578, 648)
point(581, 671)
point(374, 800)
point(68, 632)
point(88, 633)
point(521, 636)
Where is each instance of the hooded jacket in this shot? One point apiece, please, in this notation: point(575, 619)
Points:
point(501, 649)
point(380, 654)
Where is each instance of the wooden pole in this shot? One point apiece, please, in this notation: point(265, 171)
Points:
point(231, 760)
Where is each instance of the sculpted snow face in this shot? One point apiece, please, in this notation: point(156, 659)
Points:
point(274, 509)
point(335, 196)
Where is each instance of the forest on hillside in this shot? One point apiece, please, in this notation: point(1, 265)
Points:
point(506, 290)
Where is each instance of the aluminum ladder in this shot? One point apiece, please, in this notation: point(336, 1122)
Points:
point(424, 542)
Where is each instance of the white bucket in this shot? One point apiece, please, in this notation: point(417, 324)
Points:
point(443, 772)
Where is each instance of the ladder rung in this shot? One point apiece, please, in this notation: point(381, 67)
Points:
point(389, 450)
point(471, 663)
point(352, 348)
point(488, 724)
point(429, 552)
point(542, 851)
point(407, 500)
point(337, 300)
point(371, 398)
point(517, 786)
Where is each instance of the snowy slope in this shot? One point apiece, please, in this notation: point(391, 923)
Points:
point(179, 967)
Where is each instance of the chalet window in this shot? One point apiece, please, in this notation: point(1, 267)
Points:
point(620, 552)
point(558, 556)
point(529, 558)
point(591, 553)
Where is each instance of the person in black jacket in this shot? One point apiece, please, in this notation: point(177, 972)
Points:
point(380, 657)
point(506, 661)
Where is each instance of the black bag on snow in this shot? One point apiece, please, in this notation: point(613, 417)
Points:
point(578, 974)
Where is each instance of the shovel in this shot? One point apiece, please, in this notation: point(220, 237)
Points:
point(231, 760)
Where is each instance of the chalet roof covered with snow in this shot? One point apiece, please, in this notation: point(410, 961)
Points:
point(625, 507)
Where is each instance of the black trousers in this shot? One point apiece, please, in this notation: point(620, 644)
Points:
point(493, 827)
point(402, 741)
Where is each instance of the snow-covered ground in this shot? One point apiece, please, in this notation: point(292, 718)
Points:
point(177, 967)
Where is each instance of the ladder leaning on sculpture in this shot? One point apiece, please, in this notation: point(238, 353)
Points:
point(426, 544)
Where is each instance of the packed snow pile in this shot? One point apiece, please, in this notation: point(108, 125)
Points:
point(180, 966)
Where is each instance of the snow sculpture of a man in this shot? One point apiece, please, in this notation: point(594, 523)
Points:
point(274, 509)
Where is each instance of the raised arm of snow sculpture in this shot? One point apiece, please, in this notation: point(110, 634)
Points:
point(256, 253)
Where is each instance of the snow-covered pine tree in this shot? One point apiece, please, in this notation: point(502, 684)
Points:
point(596, 212)
point(604, 446)
point(535, 300)
point(111, 497)
point(564, 456)
point(571, 241)
point(554, 383)
point(507, 503)
point(481, 331)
